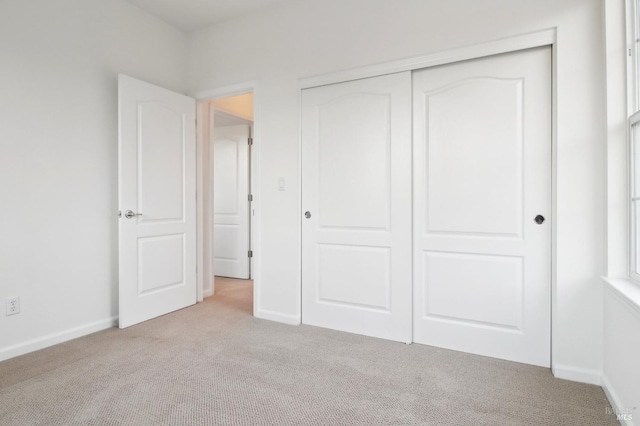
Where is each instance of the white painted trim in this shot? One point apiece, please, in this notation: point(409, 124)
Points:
point(632, 171)
point(201, 135)
point(208, 293)
point(232, 90)
point(554, 202)
point(617, 148)
point(300, 199)
point(209, 262)
point(56, 338)
point(631, 61)
point(510, 44)
point(626, 291)
point(278, 317)
point(614, 400)
point(577, 374)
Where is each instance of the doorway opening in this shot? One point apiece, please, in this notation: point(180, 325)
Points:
point(227, 180)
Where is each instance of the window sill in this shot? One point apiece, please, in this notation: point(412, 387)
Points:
point(626, 290)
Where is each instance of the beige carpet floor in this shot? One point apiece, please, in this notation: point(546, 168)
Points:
point(215, 364)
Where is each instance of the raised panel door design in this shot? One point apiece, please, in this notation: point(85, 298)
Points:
point(474, 157)
point(161, 263)
point(356, 185)
point(226, 245)
point(354, 178)
point(157, 181)
point(161, 157)
point(460, 287)
point(230, 202)
point(482, 173)
point(226, 179)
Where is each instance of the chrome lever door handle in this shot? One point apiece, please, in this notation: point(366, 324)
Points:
point(129, 214)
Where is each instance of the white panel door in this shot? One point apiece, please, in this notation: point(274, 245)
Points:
point(157, 199)
point(230, 202)
point(356, 188)
point(482, 173)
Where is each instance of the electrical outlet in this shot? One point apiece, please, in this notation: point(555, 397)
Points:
point(13, 306)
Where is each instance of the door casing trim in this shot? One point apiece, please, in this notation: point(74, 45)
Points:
point(204, 183)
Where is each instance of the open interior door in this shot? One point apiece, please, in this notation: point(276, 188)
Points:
point(157, 201)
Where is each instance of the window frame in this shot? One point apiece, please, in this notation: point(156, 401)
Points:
point(634, 169)
point(633, 68)
point(633, 120)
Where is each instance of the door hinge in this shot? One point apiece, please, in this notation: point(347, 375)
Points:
point(250, 253)
point(250, 141)
point(250, 197)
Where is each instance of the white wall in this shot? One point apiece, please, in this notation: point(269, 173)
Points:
point(305, 38)
point(58, 157)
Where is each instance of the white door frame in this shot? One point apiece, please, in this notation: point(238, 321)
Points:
point(204, 203)
point(546, 37)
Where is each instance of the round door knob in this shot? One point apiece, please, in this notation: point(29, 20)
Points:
point(307, 214)
point(539, 219)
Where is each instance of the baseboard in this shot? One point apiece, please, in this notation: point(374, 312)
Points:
point(278, 317)
point(618, 410)
point(207, 293)
point(576, 374)
point(55, 338)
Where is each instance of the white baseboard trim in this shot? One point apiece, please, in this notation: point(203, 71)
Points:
point(207, 293)
point(278, 317)
point(55, 338)
point(576, 374)
point(615, 403)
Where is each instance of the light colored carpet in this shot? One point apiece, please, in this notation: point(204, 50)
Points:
point(214, 364)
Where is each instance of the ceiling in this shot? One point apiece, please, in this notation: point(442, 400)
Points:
point(191, 15)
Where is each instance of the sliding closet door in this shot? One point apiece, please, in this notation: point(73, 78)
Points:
point(356, 198)
point(482, 192)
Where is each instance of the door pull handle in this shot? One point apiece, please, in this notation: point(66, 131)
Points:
point(129, 214)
